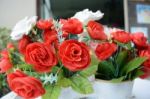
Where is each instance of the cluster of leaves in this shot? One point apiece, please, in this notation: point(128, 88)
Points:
point(123, 65)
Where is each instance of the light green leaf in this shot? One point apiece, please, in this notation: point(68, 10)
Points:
point(81, 84)
point(64, 82)
point(118, 80)
point(52, 92)
point(133, 64)
point(89, 71)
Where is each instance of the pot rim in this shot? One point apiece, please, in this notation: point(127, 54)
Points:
point(109, 81)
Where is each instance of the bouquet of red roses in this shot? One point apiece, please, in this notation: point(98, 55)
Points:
point(48, 57)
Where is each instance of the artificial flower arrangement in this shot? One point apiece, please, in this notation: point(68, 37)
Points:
point(64, 53)
point(48, 57)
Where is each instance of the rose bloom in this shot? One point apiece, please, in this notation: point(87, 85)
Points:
point(44, 24)
point(139, 40)
point(96, 31)
point(40, 56)
point(10, 46)
point(121, 36)
point(146, 64)
point(50, 38)
point(73, 26)
point(25, 86)
point(5, 62)
point(23, 44)
point(74, 55)
point(105, 50)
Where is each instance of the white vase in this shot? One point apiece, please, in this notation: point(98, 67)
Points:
point(109, 90)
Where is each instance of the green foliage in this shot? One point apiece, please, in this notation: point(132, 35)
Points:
point(133, 64)
point(52, 92)
point(106, 70)
point(81, 84)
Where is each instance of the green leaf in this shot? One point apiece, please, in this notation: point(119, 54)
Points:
point(64, 82)
point(106, 69)
point(52, 92)
point(133, 64)
point(122, 56)
point(118, 80)
point(137, 74)
point(89, 71)
point(81, 84)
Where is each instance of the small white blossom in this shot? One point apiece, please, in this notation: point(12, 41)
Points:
point(86, 15)
point(23, 27)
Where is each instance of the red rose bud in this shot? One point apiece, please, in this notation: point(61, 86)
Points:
point(139, 40)
point(72, 25)
point(40, 56)
point(25, 86)
point(23, 44)
point(121, 36)
point(74, 55)
point(44, 24)
point(10, 46)
point(5, 62)
point(96, 31)
point(105, 50)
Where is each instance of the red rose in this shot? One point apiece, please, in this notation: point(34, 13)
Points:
point(121, 36)
point(50, 36)
point(74, 55)
point(10, 46)
point(73, 26)
point(44, 24)
point(40, 56)
point(105, 50)
point(145, 53)
point(5, 62)
point(23, 44)
point(139, 40)
point(96, 31)
point(25, 86)
point(146, 64)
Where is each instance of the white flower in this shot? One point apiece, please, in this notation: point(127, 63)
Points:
point(23, 27)
point(86, 15)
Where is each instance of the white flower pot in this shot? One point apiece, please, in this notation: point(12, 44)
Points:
point(109, 90)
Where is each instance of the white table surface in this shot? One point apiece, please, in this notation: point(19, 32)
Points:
point(141, 90)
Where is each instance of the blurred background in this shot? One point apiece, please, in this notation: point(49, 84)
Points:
point(131, 15)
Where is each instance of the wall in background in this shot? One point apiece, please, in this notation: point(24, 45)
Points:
point(11, 11)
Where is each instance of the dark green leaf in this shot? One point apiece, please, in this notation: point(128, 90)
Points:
point(52, 92)
point(107, 69)
point(81, 84)
point(137, 74)
point(132, 65)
